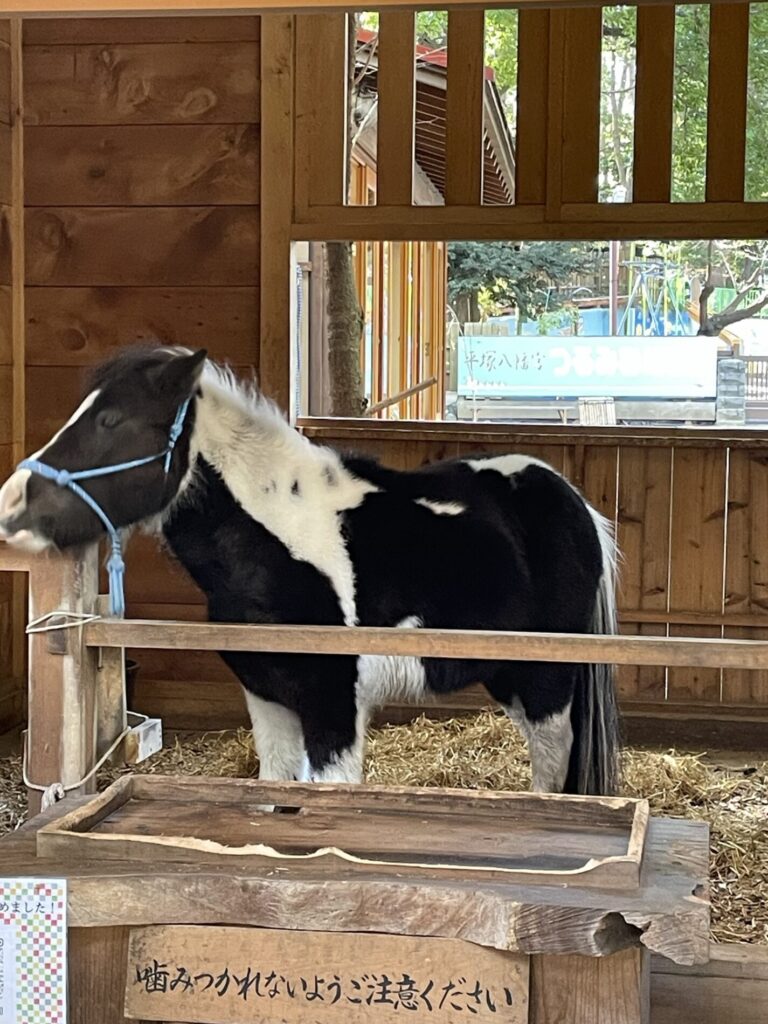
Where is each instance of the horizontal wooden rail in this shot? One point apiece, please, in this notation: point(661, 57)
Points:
point(57, 8)
point(12, 560)
point(429, 643)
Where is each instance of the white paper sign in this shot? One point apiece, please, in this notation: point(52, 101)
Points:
point(33, 951)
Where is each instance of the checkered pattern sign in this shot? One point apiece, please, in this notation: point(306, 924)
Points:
point(33, 951)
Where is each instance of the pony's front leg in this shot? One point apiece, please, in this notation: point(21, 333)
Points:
point(278, 739)
point(335, 742)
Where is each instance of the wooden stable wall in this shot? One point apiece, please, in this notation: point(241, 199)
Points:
point(141, 190)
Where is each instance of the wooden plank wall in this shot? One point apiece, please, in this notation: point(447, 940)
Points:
point(148, 229)
point(687, 506)
point(12, 689)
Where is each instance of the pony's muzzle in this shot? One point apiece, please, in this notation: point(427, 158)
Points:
point(13, 499)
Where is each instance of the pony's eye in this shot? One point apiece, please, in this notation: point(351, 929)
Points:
point(108, 419)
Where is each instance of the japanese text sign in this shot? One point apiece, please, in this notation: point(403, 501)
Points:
point(615, 367)
point(216, 975)
point(33, 951)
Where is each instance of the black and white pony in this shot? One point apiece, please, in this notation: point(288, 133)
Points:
point(277, 530)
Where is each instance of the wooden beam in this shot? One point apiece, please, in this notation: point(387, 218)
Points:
point(652, 173)
point(84, 8)
point(277, 156)
point(532, 107)
point(727, 101)
point(429, 643)
point(396, 108)
point(320, 69)
point(465, 108)
point(581, 220)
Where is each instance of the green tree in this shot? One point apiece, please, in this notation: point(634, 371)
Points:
point(524, 274)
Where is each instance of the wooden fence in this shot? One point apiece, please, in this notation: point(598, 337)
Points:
point(77, 704)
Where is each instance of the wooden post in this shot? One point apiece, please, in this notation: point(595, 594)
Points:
point(277, 281)
point(61, 736)
point(111, 705)
point(591, 990)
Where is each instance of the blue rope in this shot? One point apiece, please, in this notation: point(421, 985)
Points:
point(67, 479)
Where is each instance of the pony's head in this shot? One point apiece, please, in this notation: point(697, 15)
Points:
point(127, 416)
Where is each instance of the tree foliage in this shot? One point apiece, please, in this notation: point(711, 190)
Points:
point(526, 275)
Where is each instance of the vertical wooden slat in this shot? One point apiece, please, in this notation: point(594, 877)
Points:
point(465, 108)
point(652, 175)
point(18, 318)
point(746, 582)
point(581, 104)
point(396, 107)
point(321, 109)
point(532, 106)
point(696, 571)
point(643, 535)
point(727, 102)
point(558, 24)
point(277, 156)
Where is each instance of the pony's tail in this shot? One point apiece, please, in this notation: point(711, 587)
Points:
point(594, 761)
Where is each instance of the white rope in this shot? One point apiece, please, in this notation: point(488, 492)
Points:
point(55, 788)
point(72, 620)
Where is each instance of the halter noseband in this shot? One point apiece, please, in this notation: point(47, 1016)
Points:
point(63, 478)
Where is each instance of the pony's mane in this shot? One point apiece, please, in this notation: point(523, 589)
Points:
point(242, 394)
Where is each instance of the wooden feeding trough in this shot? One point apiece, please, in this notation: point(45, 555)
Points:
point(506, 837)
point(552, 906)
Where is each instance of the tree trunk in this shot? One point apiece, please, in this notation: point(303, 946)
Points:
point(345, 326)
point(345, 317)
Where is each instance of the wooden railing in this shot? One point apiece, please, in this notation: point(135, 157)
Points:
point(76, 675)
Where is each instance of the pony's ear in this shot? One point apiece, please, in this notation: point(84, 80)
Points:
point(178, 376)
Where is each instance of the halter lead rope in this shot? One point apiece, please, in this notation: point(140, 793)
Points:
point(64, 478)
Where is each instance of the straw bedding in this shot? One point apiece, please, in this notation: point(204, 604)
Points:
point(486, 752)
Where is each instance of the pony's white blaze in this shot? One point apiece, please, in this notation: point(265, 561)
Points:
point(293, 488)
point(84, 406)
point(13, 494)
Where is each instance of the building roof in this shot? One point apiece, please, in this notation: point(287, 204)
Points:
point(430, 141)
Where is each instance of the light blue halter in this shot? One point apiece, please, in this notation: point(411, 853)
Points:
point(63, 478)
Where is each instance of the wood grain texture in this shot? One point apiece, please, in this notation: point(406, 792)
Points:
point(697, 559)
point(727, 101)
point(277, 198)
point(464, 108)
point(6, 341)
point(733, 985)
point(172, 83)
point(5, 83)
point(97, 31)
point(746, 586)
point(485, 645)
point(5, 244)
point(606, 990)
point(61, 736)
point(644, 508)
point(652, 167)
point(82, 326)
point(159, 246)
point(670, 909)
point(343, 958)
point(581, 104)
point(6, 146)
point(396, 78)
point(532, 105)
point(142, 165)
point(321, 105)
